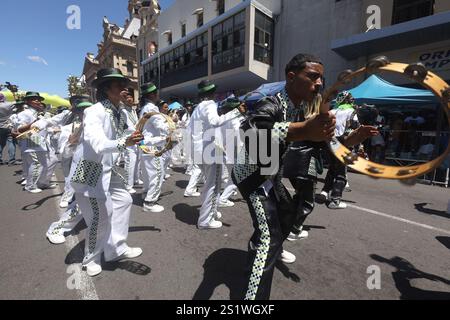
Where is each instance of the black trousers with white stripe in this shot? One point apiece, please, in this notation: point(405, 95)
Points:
point(273, 219)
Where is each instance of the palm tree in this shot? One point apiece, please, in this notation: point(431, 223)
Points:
point(76, 86)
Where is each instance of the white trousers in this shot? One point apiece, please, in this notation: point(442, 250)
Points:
point(210, 193)
point(66, 164)
point(68, 220)
point(196, 177)
point(131, 157)
point(108, 221)
point(167, 159)
point(230, 187)
point(41, 166)
point(153, 171)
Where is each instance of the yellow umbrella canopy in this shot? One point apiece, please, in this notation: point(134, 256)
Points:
point(54, 100)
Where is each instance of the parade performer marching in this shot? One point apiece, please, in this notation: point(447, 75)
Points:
point(206, 119)
point(231, 145)
point(155, 131)
point(149, 96)
point(35, 147)
point(131, 154)
point(99, 190)
point(274, 120)
point(69, 140)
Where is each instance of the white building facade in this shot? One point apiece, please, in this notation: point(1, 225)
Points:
point(242, 44)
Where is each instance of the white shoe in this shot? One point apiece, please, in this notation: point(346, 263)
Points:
point(226, 204)
point(212, 225)
point(218, 216)
point(24, 182)
point(192, 195)
point(63, 204)
point(234, 193)
point(56, 238)
point(287, 257)
point(167, 176)
point(131, 191)
point(36, 190)
point(155, 208)
point(324, 196)
point(131, 253)
point(139, 182)
point(337, 205)
point(294, 237)
point(93, 269)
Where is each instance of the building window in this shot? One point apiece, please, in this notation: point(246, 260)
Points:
point(199, 19)
point(264, 31)
point(141, 56)
point(169, 38)
point(406, 10)
point(228, 47)
point(183, 30)
point(220, 7)
point(130, 69)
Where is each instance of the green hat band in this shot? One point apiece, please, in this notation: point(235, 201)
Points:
point(84, 105)
point(207, 88)
point(150, 90)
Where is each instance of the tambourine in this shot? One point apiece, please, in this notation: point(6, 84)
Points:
point(169, 141)
point(416, 72)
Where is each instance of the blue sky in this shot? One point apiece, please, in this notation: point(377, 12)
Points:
point(38, 52)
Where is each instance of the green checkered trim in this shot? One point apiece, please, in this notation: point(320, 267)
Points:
point(122, 145)
point(280, 132)
point(262, 250)
point(94, 225)
point(88, 173)
point(72, 215)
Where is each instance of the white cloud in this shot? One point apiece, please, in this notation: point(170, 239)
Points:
point(37, 59)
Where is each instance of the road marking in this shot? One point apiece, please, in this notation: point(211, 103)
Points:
point(87, 289)
point(381, 214)
point(398, 219)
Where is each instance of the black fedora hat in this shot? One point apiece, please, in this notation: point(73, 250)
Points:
point(74, 100)
point(109, 74)
point(231, 103)
point(82, 103)
point(32, 95)
point(148, 88)
point(206, 86)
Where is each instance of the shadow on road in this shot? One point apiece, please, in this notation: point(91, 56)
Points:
point(39, 203)
point(134, 267)
point(284, 269)
point(186, 213)
point(141, 229)
point(405, 273)
point(179, 170)
point(77, 253)
point(165, 194)
point(182, 184)
point(309, 227)
point(421, 208)
point(444, 240)
point(225, 266)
